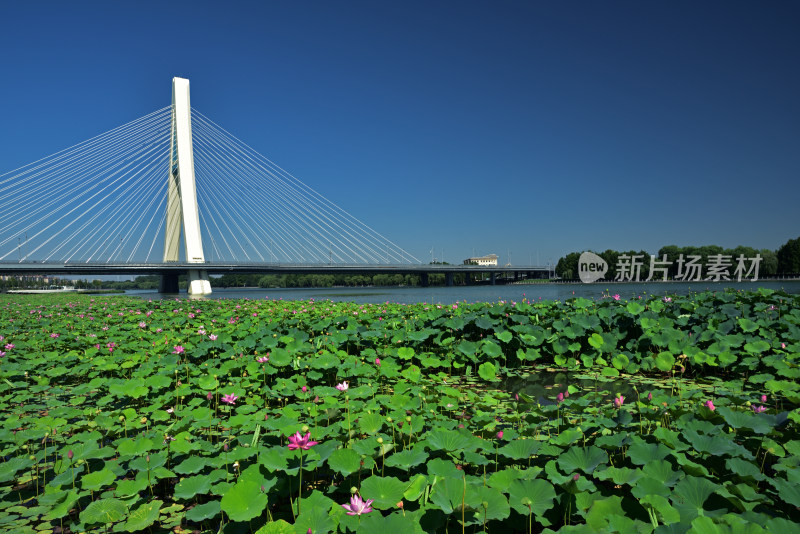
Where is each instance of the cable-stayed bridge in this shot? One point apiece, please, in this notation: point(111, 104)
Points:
point(174, 192)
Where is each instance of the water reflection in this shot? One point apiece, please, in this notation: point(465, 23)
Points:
point(544, 386)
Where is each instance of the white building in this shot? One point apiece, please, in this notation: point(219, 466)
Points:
point(490, 259)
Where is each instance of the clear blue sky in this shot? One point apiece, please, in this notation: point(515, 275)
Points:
point(537, 128)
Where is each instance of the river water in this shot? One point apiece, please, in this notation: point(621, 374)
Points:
point(450, 295)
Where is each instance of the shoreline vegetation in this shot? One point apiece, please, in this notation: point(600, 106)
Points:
point(653, 414)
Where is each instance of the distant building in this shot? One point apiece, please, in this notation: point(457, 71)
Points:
point(490, 259)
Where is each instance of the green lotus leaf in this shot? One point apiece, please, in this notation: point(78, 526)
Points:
point(487, 371)
point(276, 527)
point(191, 486)
point(208, 383)
point(787, 491)
point(747, 325)
point(602, 510)
point(129, 488)
point(412, 373)
point(386, 491)
point(96, 480)
point(690, 494)
point(666, 513)
point(104, 511)
point(10, 468)
point(642, 453)
point(63, 505)
point(370, 423)
point(634, 307)
point(716, 445)
point(449, 440)
point(757, 347)
point(443, 468)
point(505, 336)
point(662, 472)
point(416, 488)
point(488, 503)
point(407, 458)
point(405, 353)
point(315, 514)
point(193, 464)
point(396, 523)
point(344, 461)
point(201, 512)
point(143, 516)
point(584, 459)
point(520, 449)
point(447, 494)
point(531, 496)
point(135, 447)
point(244, 501)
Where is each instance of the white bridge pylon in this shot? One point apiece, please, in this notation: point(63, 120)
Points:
point(182, 210)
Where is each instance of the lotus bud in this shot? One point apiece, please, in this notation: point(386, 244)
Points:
point(304, 428)
point(353, 490)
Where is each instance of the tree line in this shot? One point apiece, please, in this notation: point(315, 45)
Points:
point(784, 261)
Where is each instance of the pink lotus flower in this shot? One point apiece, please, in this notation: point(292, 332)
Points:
point(763, 398)
point(650, 396)
point(212, 337)
point(262, 359)
point(783, 345)
point(616, 297)
point(298, 441)
point(619, 401)
point(178, 349)
point(54, 335)
point(710, 405)
point(759, 409)
point(560, 397)
point(378, 363)
point(500, 435)
point(343, 386)
point(304, 389)
point(357, 506)
point(229, 399)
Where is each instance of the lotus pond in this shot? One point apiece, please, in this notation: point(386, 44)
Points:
point(651, 415)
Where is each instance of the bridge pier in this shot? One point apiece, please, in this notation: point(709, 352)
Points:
point(198, 282)
point(168, 283)
point(448, 279)
point(493, 278)
point(423, 279)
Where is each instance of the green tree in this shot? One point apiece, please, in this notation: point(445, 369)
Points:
point(567, 267)
point(789, 257)
point(769, 262)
